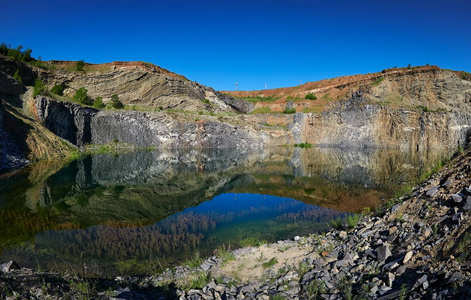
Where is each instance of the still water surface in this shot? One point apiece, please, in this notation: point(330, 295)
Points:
point(135, 213)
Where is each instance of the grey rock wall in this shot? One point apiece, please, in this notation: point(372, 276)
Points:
point(81, 125)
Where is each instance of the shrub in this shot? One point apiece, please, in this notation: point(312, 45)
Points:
point(289, 110)
point(115, 103)
point(79, 65)
point(39, 88)
point(17, 76)
point(58, 89)
point(98, 103)
point(377, 81)
point(82, 97)
point(310, 96)
point(4, 49)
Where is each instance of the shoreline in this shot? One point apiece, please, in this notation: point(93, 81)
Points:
point(418, 247)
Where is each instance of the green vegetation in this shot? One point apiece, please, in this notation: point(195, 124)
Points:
point(251, 242)
point(273, 261)
point(98, 103)
point(39, 88)
point(199, 280)
point(289, 110)
point(464, 246)
point(303, 145)
point(261, 110)
point(115, 103)
point(17, 76)
point(465, 75)
point(16, 53)
point(194, 262)
point(82, 97)
point(310, 96)
point(255, 99)
point(336, 223)
point(315, 289)
point(352, 220)
point(58, 89)
point(225, 254)
point(79, 65)
point(377, 81)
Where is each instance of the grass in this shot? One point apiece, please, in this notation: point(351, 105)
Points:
point(273, 261)
point(336, 223)
point(195, 261)
point(377, 81)
point(464, 246)
point(315, 289)
point(303, 145)
point(352, 220)
point(251, 242)
point(255, 99)
point(199, 280)
point(225, 254)
point(261, 110)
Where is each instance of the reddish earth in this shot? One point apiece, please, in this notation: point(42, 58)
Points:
point(327, 91)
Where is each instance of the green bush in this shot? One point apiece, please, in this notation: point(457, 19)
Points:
point(82, 97)
point(79, 65)
point(289, 110)
point(39, 88)
point(17, 54)
point(98, 103)
point(17, 76)
point(310, 96)
point(58, 89)
point(4, 49)
point(115, 103)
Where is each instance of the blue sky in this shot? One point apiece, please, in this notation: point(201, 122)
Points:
point(218, 43)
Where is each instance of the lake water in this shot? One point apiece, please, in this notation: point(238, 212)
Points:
point(139, 212)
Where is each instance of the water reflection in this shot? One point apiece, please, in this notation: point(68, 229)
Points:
point(121, 212)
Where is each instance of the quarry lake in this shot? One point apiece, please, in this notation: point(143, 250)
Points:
point(139, 212)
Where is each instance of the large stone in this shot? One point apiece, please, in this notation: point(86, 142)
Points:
point(432, 191)
point(383, 253)
point(8, 266)
point(456, 198)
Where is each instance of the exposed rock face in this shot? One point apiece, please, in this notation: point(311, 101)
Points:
point(11, 155)
point(141, 84)
point(67, 120)
point(379, 126)
point(81, 125)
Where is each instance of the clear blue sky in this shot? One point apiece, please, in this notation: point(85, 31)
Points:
point(220, 42)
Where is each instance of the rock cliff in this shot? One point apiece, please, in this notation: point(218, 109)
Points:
point(379, 126)
point(139, 83)
point(80, 125)
point(412, 109)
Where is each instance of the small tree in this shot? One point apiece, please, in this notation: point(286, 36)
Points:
point(58, 89)
point(115, 103)
point(82, 97)
point(17, 76)
point(79, 65)
point(39, 88)
point(98, 103)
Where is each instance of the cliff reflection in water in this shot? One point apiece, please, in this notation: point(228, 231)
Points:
point(164, 205)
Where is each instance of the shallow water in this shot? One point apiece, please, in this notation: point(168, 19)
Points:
point(137, 213)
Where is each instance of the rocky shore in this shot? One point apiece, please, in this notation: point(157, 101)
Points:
point(417, 246)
